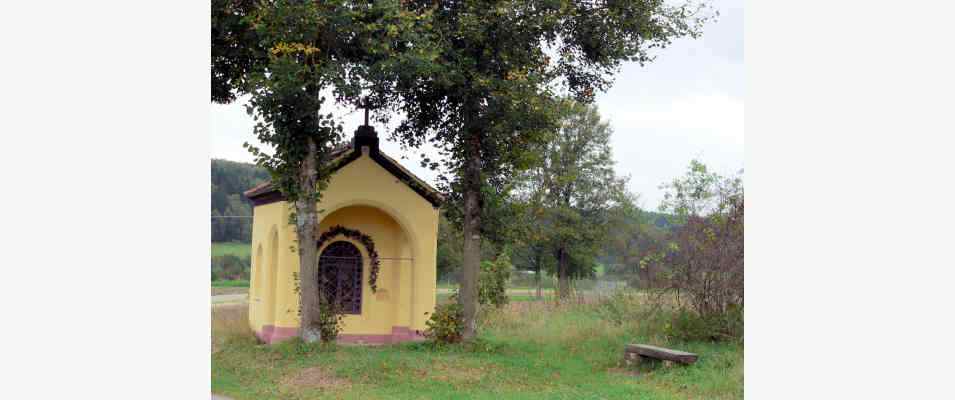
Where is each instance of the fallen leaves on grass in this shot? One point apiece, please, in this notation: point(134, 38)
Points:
point(456, 373)
point(624, 371)
point(315, 378)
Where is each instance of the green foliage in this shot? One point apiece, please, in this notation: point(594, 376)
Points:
point(450, 252)
point(621, 307)
point(330, 319)
point(235, 47)
point(700, 192)
point(491, 94)
point(305, 50)
point(449, 248)
point(359, 237)
point(230, 283)
point(236, 256)
point(349, 49)
point(243, 250)
point(636, 233)
point(687, 325)
point(445, 326)
point(230, 267)
point(531, 350)
point(492, 282)
point(570, 196)
point(329, 316)
point(229, 180)
point(701, 263)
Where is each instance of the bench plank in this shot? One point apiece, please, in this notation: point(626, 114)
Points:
point(661, 353)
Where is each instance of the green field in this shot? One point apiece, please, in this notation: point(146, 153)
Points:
point(233, 248)
point(529, 350)
point(230, 284)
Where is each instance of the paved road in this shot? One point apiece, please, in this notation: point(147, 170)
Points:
point(220, 397)
point(230, 298)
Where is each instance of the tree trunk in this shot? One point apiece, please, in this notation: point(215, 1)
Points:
point(307, 225)
point(563, 277)
point(467, 297)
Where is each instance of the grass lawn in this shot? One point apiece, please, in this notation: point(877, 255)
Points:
point(528, 350)
point(513, 297)
point(234, 283)
point(236, 249)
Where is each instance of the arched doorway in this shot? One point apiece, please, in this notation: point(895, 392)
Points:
point(340, 275)
point(392, 304)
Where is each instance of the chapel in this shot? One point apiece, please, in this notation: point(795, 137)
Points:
point(375, 217)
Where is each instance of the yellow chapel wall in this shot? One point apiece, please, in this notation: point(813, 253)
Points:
point(266, 227)
point(402, 225)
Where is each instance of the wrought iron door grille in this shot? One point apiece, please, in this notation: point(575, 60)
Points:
point(340, 275)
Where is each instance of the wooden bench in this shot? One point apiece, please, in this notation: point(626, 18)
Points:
point(637, 353)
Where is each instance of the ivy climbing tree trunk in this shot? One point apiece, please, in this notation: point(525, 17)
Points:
point(472, 241)
point(306, 223)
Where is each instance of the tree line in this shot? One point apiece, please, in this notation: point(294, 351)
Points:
point(229, 180)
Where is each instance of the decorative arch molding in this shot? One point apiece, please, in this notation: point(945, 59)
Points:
point(407, 226)
point(359, 237)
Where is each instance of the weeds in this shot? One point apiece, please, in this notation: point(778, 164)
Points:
point(230, 326)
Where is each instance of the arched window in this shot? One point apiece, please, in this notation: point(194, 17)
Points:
point(340, 275)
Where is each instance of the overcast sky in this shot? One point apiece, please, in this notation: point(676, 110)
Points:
point(687, 104)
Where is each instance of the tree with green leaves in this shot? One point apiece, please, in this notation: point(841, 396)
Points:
point(229, 206)
point(289, 56)
point(502, 62)
point(701, 264)
point(699, 193)
point(635, 235)
point(574, 190)
point(236, 51)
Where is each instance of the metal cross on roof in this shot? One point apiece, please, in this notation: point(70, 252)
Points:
point(366, 112)
point(366, 105)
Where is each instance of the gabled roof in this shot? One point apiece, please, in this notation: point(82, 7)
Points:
point(343, 155)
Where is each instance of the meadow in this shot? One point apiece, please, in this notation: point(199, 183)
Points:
point(237, 283)
point(529, 349)
point(234, 248)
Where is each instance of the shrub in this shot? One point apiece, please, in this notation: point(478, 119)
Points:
point(230, 267)
point(585, 284)
point(492, 282)
point(445, 325)
point(528, 279)
point(329, 319)
point(229, 284)
point(619, 308)
point(329, 316)
point(687, 325)
point(634, 281)
point(702, 261)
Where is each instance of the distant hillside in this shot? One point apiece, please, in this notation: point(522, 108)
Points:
point(229, 180)
point(660, 220)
